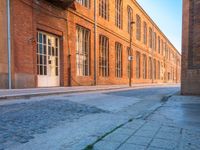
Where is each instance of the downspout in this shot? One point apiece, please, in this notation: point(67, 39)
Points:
point(9, 46)
point(95, 33)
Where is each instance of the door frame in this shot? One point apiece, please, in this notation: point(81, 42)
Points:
point(47, 60)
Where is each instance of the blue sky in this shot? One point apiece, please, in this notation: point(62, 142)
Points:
point(167, 14)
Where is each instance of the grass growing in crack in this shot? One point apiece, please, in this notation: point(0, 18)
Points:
point(91, 146)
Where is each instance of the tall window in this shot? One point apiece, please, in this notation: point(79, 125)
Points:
point(137, 65)
point(130, 18)
point(85, 3)
point(128, 66)
point(150, 37)
point(118, 13)
point(118, 60)
point(150, 68)
point(166, 51)
point(104, 9)
point(144, 66)
point(103, 56)
point(159, 70)
point(162, 47)
point(82, 51)
point(138, 27)
point(145, 33)
point(159, 44)
point(154, 41)
point(154, 69)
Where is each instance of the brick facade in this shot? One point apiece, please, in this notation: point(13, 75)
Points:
point(3, 45)
point(31, 16)
point(191, 48)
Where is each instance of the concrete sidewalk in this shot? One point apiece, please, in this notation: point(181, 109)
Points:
point(174, 126)
point(20, 93)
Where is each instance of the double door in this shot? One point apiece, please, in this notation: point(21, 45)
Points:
point(48, 60)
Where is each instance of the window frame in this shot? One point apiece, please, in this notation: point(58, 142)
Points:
point(103, 56)
point(81, 52)
point(119, 13)
point(118, 60)
point(104, 9)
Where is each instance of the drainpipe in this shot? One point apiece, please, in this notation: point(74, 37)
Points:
point(9, 46)
point(95, 35)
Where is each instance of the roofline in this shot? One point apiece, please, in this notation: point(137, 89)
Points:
point(154, 24)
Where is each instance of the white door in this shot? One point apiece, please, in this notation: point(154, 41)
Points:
point(48, 60)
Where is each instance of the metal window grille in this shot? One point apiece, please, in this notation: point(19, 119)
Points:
point(162, 47)
point(159, 44)
point(145, 33)
point(104, 9)
point(155, 41)
point(144, 66)
point(118, 13)
point(138, 27)
point(103, 56)
point(154, 69)
point(130, 18)
point(150, 37)
point(85, 3)
point(82, 51)
point(159, 69)
point(137, 65)
point(150, 68)
point(118, 60)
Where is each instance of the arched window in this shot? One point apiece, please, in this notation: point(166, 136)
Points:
point(138, 27)
point(145, 33)
point(159, 44)
point(154, 69)
point(104, 9)
point(118, 60)
point(144, 66)
point(103, 56)
point(159, 70)
point(82, 51)
point(118, 13)
point(150, 37)
point(150, 68)
point(130, 18)
point(155, 41)
point(137, 65)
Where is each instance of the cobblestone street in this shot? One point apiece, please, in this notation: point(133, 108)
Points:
point(20, 122)
point(120, 119)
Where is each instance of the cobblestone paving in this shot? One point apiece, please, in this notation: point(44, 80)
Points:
point(20, 122)
point(150, 135)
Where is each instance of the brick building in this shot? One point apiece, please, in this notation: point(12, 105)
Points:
point(86, 42)
point(191, 48)
point(3, 45)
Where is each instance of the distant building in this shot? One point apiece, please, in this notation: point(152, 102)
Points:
point(64, 43)
point(191, 47)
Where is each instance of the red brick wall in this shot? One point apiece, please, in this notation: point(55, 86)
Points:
point(190, 82)
point(84, 16)
point(3, 45)
point(30, 16)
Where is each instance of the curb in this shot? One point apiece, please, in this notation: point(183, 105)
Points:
point(28, 96)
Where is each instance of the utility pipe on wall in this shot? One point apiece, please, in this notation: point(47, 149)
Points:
point(9, 46)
